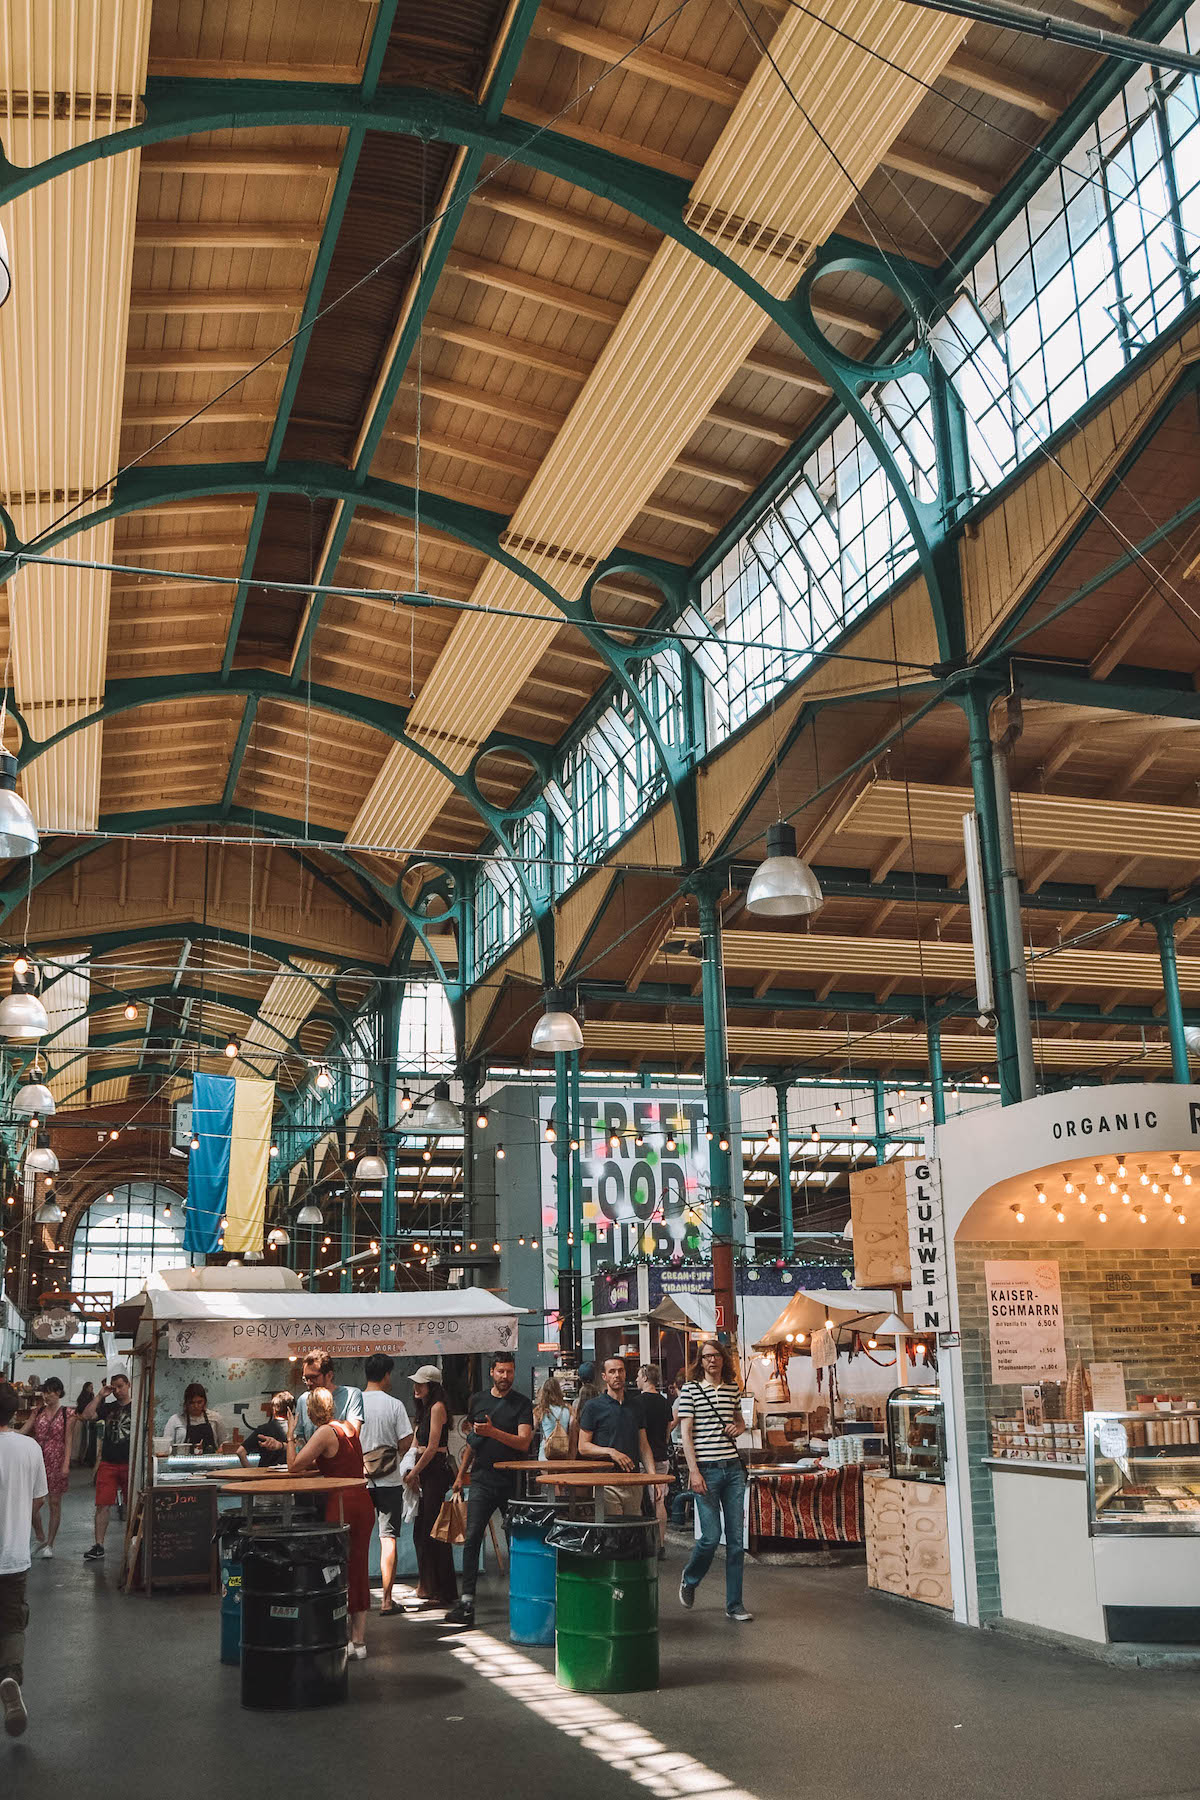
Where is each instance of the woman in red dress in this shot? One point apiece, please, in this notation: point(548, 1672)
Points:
point(333, 1449)
point(51, 1423)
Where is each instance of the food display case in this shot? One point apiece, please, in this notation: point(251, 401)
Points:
point(1137, 1488)
point(916, 1429)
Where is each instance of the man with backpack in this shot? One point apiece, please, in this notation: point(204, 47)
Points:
point(385, 1436)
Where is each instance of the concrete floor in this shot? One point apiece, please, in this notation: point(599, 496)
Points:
point(831, 1693)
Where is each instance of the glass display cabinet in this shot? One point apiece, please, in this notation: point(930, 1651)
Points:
point(916, 1429)
point(1141, 1489)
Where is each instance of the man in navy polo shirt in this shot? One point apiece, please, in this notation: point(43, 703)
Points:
point(613, 1425)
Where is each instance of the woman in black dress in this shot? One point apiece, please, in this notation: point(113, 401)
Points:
point(428, 1480)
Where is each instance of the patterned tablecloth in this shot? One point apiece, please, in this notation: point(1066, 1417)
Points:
point(822, 1506)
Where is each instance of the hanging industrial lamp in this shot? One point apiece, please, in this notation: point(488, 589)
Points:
point(42, 1160)
point(34, 1100)
point(278, 1239)
point(18, 833)
point(371, 1167)
point(49, 1212)
point(441, 1114)
point(783, 886)
point(558, 1030)
point(23, 1018)
point(310, 1214)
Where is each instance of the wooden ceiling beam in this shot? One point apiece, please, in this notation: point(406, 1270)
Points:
point(496, 343)
point(656, 65)
point(167, 646)
point(514, 204)
point(454, 587)
point(172, 546)
point(443, 443)
point(502, 406)
point(196, 362)
point(225, 234)
point(1011, 85)
point(729, 419)
point(786, 368)
point(187, 158)
point(941, 171)
point(717, 473)
point(533, 287)
point(163, 413)
point(214, 300)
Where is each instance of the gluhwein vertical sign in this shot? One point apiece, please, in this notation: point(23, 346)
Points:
point(927, 1245)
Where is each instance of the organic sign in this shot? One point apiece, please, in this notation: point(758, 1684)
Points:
point(1025, 1321)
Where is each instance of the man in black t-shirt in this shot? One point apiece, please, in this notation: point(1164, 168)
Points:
point(500, 1430)
point(613, 1426)
point(113, 1406)
point(268, 1441)
point(658, 1430)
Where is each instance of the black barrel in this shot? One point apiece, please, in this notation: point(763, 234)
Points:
point(295, 1616)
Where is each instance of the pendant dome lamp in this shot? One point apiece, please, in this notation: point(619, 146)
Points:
point(34, 1100)
point(783, 886)
point(1191, 1036)
point(370, 1167)
point(42, 1160)
point(310, 1214)
point(442, 1115)
point(558, 1030)
point(49, 1212)
point(18, 833)
point(23, 1018)
point(279, 1239)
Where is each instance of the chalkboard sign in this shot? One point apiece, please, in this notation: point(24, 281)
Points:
point(182, 1523)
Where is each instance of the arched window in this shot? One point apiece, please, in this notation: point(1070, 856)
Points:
point(120, 1240)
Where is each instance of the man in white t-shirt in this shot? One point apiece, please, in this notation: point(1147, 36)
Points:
point(22, 1481)
point(385, 1436)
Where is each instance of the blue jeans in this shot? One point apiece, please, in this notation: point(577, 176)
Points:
point(726, 1484)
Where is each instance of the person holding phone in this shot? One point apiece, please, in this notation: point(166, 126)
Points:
point(113, 1406)
point(500, 1429)
point(268, 1441)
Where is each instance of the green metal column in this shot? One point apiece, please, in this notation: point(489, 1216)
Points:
point(937, 1085)
point(716, 1093)
point(983, 782)
point(387, 1218)
point(346, 1276)
point(786, 1222)
point(570, 1284)
point(1165, 932)
point(881, 1136)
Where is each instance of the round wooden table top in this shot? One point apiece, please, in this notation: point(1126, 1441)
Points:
point(244, 1474)
point(531, 1462)
point(614, 1478)
point(300, 1484)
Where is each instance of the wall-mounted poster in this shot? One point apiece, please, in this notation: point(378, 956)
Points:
point(1025, 1321)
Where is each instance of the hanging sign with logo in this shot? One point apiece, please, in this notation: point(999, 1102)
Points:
point(1025, 1321)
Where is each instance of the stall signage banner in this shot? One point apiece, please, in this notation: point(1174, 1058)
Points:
point(424, 1337)
point(927, 1245)
point(1025, 1321)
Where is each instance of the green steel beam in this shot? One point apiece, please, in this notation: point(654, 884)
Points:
point(1165, 931)
point(165, 990)
point(313, 299)
point(1156, 693)
point(249, 714)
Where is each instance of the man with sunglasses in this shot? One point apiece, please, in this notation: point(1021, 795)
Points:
point(113, 1406)
point(347, 1401)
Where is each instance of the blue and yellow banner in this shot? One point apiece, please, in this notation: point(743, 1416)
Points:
point(227, 1173)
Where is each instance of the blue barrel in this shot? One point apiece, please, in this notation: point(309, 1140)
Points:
point(231, 1602)
point(532, 1568)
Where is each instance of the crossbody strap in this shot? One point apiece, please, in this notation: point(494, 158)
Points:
point(716, 1415)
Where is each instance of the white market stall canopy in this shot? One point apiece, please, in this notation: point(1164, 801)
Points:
point(255, 1323)
point(754, 1313)
point(808, 1309)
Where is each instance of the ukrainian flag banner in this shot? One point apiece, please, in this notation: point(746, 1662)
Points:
point(227, 1173)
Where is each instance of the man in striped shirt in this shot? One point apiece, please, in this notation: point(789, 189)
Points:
point(710, 1415)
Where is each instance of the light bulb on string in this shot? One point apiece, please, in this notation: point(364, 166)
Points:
point(500, 1153)
point(405, 1106)
point(550, 1135)
point(671, 1144)
point(724, 1143)
point(195, 1140)
point(923, 1104)
point(837, 1109)
point(130, 1010)
point(481, 1119)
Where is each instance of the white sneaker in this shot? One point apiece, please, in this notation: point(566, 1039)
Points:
point(46, 1553)
point(15, 1716)
point(358, 1652)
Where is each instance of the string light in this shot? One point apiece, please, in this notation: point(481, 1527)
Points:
point(837, 1109)
point(724, 1143)
point(708, 1132)
point(21, 965)
point(274, 1149)
point(232, 1046)
point(500, 1153)
point(405, 1106)
point(472, 1246)
point(195, 1140)
point(130, 1010)
point(639, 1141)
point(481, 1119)
point(854, 1124)
point(574, 1144)
point(672, 1145)
point(891, 1115)
point(614, 1140)
point(923, 1104)
point(550, 1135)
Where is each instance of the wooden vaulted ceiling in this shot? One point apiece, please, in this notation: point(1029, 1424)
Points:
point(573, 372)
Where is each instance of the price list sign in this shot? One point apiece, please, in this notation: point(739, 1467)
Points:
point(1025, 1321)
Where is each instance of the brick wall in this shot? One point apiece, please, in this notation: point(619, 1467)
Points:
point(1135, 1307)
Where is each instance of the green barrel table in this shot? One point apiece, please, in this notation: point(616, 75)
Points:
point(606, 1640)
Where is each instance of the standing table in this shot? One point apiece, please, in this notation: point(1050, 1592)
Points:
point(606, 1590)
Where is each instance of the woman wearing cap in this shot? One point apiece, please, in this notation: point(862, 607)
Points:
point(429, 1478)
